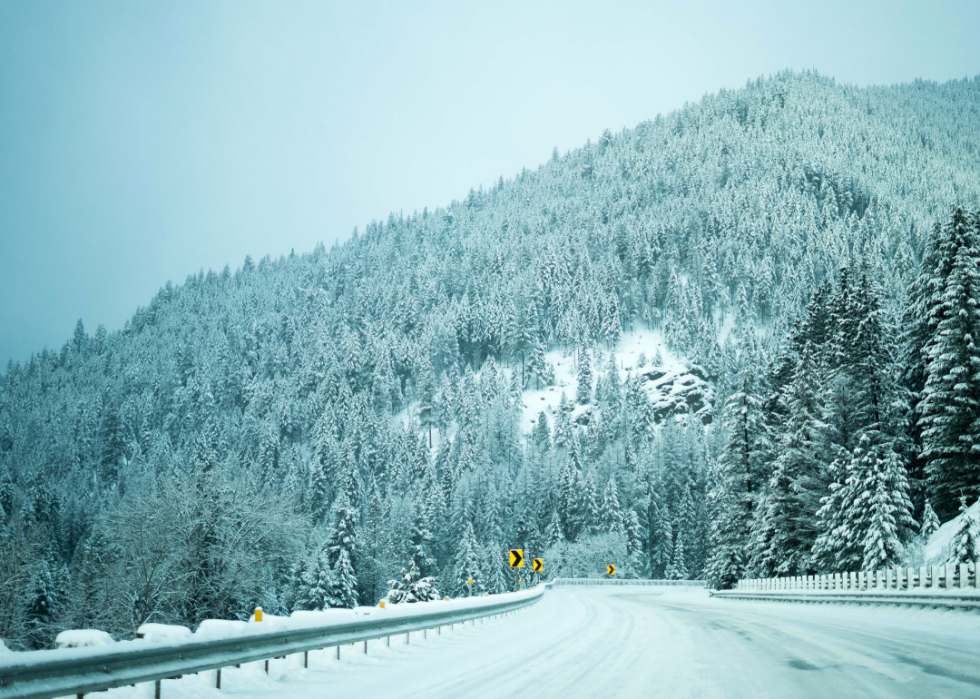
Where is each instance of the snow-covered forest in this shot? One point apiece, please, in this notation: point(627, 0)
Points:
point(296, 432)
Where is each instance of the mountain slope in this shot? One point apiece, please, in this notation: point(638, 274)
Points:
point(276, 383)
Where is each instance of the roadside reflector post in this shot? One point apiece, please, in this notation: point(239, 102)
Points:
point(365, 647)
point(267, 667)
point(217, 684)
point(306, 658)
point(338, 652)
point(258, 613)
point(156, 690)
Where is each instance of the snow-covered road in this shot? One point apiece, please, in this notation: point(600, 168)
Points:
point(644, 642)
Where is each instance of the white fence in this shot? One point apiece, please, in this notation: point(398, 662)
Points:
point(623, 581)
point(962, 576)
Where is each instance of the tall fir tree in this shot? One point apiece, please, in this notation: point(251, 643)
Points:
point(950, 405)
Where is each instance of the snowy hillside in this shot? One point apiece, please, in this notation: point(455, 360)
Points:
point(672, 384)
point(938, 549)
point(775, 238)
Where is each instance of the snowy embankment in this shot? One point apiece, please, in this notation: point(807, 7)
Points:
point(639, 642)
point(89, 643)
point(939, 547)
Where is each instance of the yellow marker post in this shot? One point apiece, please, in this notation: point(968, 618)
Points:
point(258, 613)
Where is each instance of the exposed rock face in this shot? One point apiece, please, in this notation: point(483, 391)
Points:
point(674, 392)
point(681, 391)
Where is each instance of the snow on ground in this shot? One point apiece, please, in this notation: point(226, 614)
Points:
point(638, 642)
point(937, 549)
point(637, 342)
point(633, 344)
point(82, 638)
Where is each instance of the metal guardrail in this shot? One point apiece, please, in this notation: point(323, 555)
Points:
point(31, 675)
point(910, 598)
point(561, 582)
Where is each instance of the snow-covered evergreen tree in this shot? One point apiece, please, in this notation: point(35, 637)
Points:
point(412, 587)
point(965, 544)
point(950, 404)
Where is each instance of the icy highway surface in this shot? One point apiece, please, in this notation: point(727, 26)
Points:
point(641, 642)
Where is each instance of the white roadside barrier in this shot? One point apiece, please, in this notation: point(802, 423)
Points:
point(952, 586)
point(565, 582)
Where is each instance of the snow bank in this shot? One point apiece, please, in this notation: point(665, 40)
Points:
point(214, 629)
point(82, 638)
point(161, 632)
point(3, 648)
point(936, 551)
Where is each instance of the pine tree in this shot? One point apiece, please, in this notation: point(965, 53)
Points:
point(412, 587)
point(964, 545)
point(317, 585)
point(426, 397)
point(612, 515)
point(553, 534)
point(677, 569)
point(889, 510)
point(634, 545)
point(930, 522)
point(950, 406)
point(541, 435)
point(563, 423)
point(799, 477)
point(343, 533)
point(584, 392)
point(466, 565)
point(344, 592)
point(739, 478)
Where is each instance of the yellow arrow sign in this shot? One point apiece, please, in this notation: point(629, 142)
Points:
point(610, 569)
point(517, 558)
point(537, 565)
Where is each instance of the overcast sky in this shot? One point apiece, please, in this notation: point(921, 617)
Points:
point(141, 142)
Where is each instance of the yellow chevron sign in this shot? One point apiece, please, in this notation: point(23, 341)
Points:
point(517, 558)
point(537, 565)
point(610, 569)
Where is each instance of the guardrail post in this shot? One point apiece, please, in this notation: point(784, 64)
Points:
point(964, 575)
point(949, 577)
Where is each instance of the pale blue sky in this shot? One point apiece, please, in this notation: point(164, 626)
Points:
point(143, 141)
